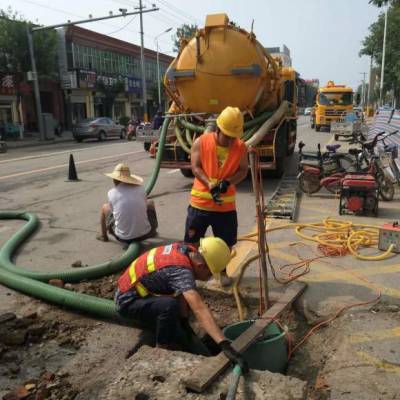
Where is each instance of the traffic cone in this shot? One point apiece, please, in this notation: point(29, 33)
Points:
point(72, 175)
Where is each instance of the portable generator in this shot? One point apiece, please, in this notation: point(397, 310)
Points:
point(389, 234)
point(359, 195)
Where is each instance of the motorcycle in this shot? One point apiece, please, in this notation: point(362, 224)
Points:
point(312, 178)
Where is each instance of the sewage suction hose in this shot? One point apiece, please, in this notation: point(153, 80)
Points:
point(32, 282)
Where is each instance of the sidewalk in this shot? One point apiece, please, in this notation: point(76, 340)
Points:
point(33, 139)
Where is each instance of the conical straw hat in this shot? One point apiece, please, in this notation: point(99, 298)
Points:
point(122, 173)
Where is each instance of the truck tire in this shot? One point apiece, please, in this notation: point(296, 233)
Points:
point(312, 125)
point(187, 173)
point(146, 146)
point(318, 128)
point(281, 152)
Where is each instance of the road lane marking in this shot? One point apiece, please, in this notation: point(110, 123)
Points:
point(58, 153)
point(381, 364)
point(66, 164)
point(375, 335)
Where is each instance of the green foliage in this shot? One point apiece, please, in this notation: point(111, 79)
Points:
point(110, 94)
point(124, 121)
point(14, 53)
point(381, 3)
point(373, 46)
point(185, 31)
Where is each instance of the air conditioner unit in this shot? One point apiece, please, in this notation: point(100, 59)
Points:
point(31, 76)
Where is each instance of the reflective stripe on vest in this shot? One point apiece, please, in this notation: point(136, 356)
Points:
point(200, 194)
point(207, 195)
point(153, 260)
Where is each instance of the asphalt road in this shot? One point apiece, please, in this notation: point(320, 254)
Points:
point(35, 179)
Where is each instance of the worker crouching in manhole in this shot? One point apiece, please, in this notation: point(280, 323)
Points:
point(159, 288)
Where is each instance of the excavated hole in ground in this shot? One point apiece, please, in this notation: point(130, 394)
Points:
point(38, 347)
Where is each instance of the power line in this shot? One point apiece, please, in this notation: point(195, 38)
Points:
point(123, 27)
point(180, 11)
point(62, 11)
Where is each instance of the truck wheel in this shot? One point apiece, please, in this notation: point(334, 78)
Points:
point(312, 125)
point(146, 146)
point(318, 128)
point(187, 173)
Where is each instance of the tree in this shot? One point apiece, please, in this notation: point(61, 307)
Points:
point(185, 31)
point(14, 54)
point(372, 46)
point(110, 91)
point(381, 3)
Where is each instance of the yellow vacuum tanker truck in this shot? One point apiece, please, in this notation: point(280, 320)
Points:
point(332, 103)
point(224, 65)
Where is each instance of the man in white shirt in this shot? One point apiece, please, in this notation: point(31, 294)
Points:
point(128, 215)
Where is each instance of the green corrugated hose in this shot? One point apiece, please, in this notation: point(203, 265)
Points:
point(68, 275)
point(29, 282)
point(161, 143)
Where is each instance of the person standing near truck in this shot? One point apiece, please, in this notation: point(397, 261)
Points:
point(219, 163)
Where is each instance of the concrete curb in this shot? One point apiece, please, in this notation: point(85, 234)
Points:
point(18, 145)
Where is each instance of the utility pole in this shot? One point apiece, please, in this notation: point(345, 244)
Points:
point(369, 87)
point(35, 78)
point(383, 58)
point(142, 65)
point(30, 32)
point(158, 64)
point(363, 90)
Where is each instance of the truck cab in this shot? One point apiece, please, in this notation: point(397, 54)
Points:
point(333, 102)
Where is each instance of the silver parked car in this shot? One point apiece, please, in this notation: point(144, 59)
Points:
point(99, 128)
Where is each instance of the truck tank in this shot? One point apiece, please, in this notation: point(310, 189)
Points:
point(221, 66)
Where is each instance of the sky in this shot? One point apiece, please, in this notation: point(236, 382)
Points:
point(324, 36)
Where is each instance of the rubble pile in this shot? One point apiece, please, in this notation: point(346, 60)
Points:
point(30, 346)
point(154, 373)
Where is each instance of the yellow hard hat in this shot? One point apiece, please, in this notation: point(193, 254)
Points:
point(216, 253)
point(230, 121)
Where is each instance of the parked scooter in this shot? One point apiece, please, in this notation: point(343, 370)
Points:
point(312, 179)
point(315, 166)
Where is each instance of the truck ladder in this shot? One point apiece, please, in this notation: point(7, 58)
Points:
point(284, 201)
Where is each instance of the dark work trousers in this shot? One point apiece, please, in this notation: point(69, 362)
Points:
point(161, 312)
point(224, 225)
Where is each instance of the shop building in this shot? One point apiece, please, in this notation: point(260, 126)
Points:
point(8, 99)
point(96, 70)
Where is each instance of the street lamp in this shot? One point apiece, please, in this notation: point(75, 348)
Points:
point(158, 64)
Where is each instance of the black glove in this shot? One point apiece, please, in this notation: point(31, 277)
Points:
point(234, 355)
point(215, 193)
point(223, 186)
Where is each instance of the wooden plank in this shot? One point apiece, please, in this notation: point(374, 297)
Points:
point(209, 369)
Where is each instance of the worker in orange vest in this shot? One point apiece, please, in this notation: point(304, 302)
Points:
point(219, 163)
point(159, 288)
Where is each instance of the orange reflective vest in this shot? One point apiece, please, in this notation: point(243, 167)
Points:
point(160, 257)
point(200, 194)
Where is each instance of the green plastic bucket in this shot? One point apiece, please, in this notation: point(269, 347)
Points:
point(269, 352)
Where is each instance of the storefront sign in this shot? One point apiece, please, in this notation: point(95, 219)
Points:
point(87, 79)
point(133, 85)
point(107, 80)
point(7, 84)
